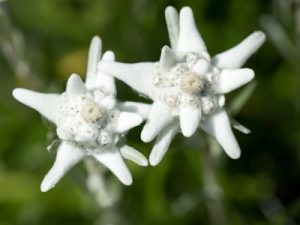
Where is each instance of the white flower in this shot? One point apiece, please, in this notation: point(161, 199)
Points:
point(89, 121)
point(187, 86)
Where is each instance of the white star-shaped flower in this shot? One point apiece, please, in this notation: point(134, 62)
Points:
point(89, 121)
point(187, 86)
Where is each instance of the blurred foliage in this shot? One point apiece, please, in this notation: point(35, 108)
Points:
point(260, 188)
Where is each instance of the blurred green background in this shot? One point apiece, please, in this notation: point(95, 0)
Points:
point(43, 41)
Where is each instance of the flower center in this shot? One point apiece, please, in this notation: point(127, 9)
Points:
point(188, 83)
point(91, 112)
point(191, 84)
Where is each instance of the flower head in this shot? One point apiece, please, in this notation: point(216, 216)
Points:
point(89, 121)
point(187, 86)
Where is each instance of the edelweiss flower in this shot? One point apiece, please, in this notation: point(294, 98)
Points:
point(188, 84)
point(88, 120)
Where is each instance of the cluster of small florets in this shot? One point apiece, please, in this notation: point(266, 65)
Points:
point(184, 85)
point(86, 121)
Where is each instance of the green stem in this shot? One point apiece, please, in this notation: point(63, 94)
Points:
point(105, 195)
point(212, 189)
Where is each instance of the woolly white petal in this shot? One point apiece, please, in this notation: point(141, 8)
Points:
point(190, 39)
point(64, 133)
point(108, 56)
point(162, 143)
point(67, 156)
point(230, 80)
point(189, 120)
point(159, 117)
point(138, 75)
point(93, 59)
point(75, 86)
point(172, 21)
point(142, 109)
point(134, 155)
point(238, 55)
point(108, 102)
point(218, 125)
point(221, 100)
point(104, 81)
point(128, 120)
point(168, 59)
point(201, 67)
point(45, 104)
point(112, 159)
point(241, 128)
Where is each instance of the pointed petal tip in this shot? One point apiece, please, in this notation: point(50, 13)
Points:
point(165, 48)
point(74, 78)
point(153, 162)
point(162, 143)
point(248, 74)
point(145, 164)
point(167, 59)
point(260, 35)
point(235, 155)
point(234, 152)
point(22, 95)
point(237, 56)
point(186, 11)
point(68, 155)
point(167, 51)
point(96, 40)
point(108, 56)
point(170, 9)
point(218, 125)
point(187, 133)
point(113, 160)
point(146, 137)
point(75, 85)
point(189, 120)
point(18, 93)
point(128, 181)
point(45, 104)
point(186, 16)
point(160, 117)
point(45, 186)
point(172, 22)
point(155, 159)
point(189, 39)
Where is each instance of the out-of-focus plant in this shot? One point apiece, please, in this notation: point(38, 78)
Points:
point(14, 49)
point(283, 28)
